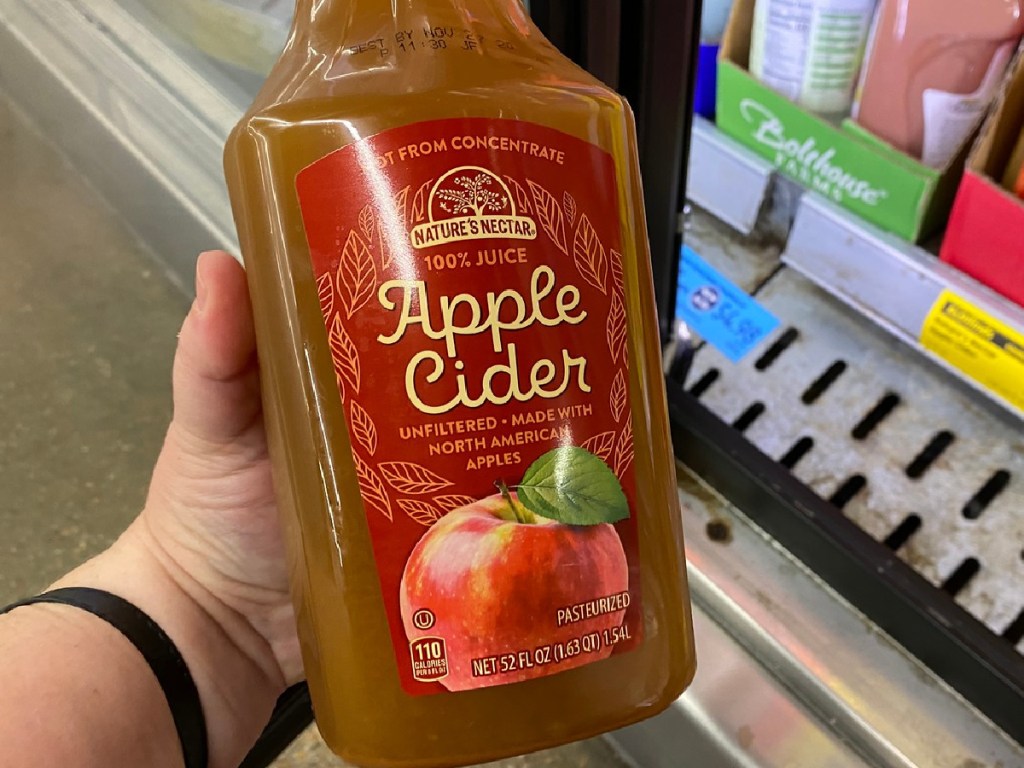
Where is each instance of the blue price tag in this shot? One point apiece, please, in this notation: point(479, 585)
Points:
point(719, 311)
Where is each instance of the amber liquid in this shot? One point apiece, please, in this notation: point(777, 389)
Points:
point(329, 89)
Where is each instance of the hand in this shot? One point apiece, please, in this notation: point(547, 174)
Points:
point(211, 514)
point(205, 560)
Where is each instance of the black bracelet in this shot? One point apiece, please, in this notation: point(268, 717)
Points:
point(156, 648)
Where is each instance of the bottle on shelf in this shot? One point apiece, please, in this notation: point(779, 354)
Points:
point(932, 70)
point(811, 50)
point(443, 230)
point(713, 20)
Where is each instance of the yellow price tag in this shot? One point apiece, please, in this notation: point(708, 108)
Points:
point(975, 342)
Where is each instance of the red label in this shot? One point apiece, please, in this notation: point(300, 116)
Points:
point(471, 281)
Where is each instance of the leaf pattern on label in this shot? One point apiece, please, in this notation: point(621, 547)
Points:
point(367, 220)
point(363, 429)
point(616, 331)
point(550, 215)
point(615, 258)
point(624, 450)
point(602, 445)
point(401, 203)
point(570, 207)
point(589, 254)
point(385, 249)
point(617, 397)
point(419, 202)
point(523, 206)
point(423, 512)
point(341, 383)
point(325, 290)
point(411, 478)
point(453, 501)
point(357, 276)
point(371, 488)
point(345, 354)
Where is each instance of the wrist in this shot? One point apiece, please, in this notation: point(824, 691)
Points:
point(74, 691)
point(233, 668)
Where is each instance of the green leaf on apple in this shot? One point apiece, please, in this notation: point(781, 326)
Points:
point(573, 486)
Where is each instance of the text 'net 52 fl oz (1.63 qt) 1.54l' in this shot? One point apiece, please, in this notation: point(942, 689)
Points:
point(443, 229)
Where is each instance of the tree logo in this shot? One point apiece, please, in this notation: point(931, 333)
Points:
point(471, 203)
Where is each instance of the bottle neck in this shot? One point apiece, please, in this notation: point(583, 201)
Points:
point(342, 14)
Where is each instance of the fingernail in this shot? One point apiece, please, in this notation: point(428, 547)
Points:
point(201, 289)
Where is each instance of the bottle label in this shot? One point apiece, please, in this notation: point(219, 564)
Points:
point(472, 281)
point(950, 118)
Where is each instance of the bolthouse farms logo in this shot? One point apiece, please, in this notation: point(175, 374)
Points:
point(471, 203)
point(805, 160)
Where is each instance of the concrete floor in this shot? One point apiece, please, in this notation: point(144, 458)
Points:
point(88, 325)
point(87, 330)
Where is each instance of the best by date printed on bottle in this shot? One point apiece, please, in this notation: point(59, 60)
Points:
point(434, 37)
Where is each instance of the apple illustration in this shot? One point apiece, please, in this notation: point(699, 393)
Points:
point(489, 579)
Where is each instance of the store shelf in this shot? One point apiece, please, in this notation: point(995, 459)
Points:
point(800, 396)
point(843, 397)
point(831, 371)
point(892, 282)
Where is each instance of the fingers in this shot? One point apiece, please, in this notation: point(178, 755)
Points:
point(216, 387)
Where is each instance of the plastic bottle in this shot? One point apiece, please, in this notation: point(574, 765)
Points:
point(713, 20)
point(811, 50)
point(932, 70)
point(443, 229)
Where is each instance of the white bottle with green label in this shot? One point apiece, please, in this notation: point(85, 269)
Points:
point(811, 50)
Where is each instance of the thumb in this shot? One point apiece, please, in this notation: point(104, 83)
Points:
point(216, 382)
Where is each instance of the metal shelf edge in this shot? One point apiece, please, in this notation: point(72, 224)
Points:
point(891, 282)
point(725, 179)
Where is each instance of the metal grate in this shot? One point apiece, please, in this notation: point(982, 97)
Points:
point(920, 463)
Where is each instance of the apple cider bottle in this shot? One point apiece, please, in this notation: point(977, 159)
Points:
point(442, 224)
